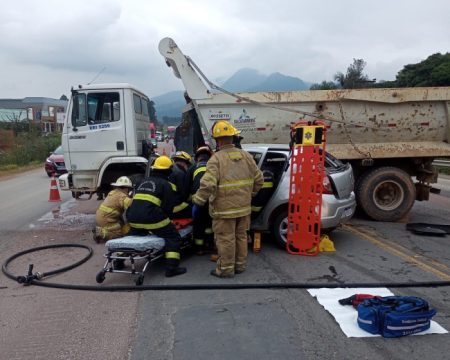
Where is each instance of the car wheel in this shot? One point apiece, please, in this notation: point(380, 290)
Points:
point(386, 193)
point(280, 227)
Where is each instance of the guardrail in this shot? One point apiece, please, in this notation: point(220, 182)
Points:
point(443, 163)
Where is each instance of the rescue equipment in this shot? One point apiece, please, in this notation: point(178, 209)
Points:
point(305, 190)
point(395, 316)
point(356, 299)
point(54, 192)
point(162, 163)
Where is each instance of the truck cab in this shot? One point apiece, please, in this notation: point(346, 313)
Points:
point(105, 136)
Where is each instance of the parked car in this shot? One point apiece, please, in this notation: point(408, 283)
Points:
point(338, 198)
point(55, 162)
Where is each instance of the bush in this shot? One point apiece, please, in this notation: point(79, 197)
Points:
point(28, 148)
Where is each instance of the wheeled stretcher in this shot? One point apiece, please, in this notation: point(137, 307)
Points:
point(138, 249)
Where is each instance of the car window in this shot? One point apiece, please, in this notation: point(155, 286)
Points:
point(79, 116)
point(256, 156)
point(276, 162)
point(137, 104)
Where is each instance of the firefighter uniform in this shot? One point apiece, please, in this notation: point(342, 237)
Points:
point(178, 178)
point(230, 180)
point(202, 223)
point(108, 217)
point(264, 194)
point(152, 209)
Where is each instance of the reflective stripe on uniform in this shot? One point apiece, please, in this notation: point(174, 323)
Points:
point(198, 241)
point(198, 200)
point(256, 208)
point(157, 225)
point(208, 231)
point(226, 267)
point(108, 210)
point(174, 187)
point(234, 155)
point(172, 255)
point(236, 183)
point(267, 184)
point(147, 197)
point(180, 207)
point(233, 211)
point(199, 170)
point(209, 178)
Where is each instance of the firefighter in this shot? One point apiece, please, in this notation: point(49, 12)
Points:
point(179, 177)
point(264, 194)
point(108, 218)
point(152, 209)
point(230, 181)
point(202, 222)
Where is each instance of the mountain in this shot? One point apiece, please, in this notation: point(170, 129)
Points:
point(244, 80)
point(169, 104)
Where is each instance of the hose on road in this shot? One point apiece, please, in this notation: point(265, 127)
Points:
point(35, 279)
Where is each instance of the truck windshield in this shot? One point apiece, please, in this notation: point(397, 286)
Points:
point(96, 108)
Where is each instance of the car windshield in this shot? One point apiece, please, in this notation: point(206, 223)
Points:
point(58, 151)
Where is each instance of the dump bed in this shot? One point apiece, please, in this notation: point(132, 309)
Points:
point(363, 123)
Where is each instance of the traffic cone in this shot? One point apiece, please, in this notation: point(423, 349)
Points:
point(54, 192)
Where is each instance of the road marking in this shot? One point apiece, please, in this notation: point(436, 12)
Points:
point(400, 252)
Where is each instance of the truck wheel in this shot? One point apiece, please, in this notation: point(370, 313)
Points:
point(386, 193)
point(279, 228)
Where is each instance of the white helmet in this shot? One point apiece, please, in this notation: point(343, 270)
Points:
point(123, 181)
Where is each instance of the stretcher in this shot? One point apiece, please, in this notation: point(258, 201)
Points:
point(139, 250)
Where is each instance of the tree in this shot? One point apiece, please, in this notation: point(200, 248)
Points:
point(324, 85)
point(354, 78)
point(63, 97)
point(433, 71)
point(152, 111)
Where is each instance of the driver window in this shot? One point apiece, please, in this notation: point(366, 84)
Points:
point(79, 117)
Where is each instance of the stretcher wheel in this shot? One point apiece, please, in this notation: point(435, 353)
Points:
point(140, 280)
point(100, 277)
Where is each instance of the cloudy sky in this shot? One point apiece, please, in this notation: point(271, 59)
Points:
point(47, 46)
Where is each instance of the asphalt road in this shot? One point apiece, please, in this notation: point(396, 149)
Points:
point(221, 324)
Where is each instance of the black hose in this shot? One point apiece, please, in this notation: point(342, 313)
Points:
point(34, 279)
point(28, 278)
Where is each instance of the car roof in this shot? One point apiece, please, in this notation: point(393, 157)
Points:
point(266, 147)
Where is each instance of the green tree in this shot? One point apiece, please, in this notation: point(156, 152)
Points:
point(433, 71)
point(324, 85)
point(354, 77)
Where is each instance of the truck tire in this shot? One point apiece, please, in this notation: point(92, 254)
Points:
point(386, 193)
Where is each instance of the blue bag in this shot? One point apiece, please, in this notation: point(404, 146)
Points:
point(394, 316)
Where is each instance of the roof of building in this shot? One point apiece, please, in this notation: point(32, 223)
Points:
point(31, 101)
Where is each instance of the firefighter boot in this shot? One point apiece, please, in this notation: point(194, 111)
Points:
point(172, 268)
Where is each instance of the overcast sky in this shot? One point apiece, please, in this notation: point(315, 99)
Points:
point(47, 46)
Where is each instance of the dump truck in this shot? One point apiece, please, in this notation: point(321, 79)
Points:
point(390, 136)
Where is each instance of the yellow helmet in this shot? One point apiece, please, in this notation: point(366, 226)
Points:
point(162, 163)
point(182, 155)
point(222, 128)
point(123, 181)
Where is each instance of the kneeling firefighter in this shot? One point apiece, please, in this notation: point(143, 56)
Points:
point(179, 177)
point(152, 209)
point(108, 218)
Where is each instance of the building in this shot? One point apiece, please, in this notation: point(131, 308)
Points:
point(47, 112)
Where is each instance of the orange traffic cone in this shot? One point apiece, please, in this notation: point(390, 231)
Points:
point(54, 192)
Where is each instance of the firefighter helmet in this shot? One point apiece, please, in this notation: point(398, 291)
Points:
point(162, 163)
point(222, 128)
point(203, 150)
point(182, 155)
point(123, 181)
